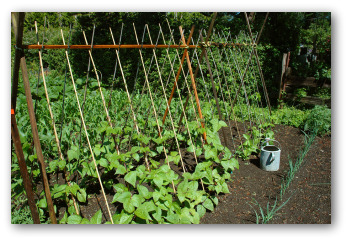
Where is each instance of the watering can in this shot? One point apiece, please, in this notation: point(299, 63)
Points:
point(270, 156)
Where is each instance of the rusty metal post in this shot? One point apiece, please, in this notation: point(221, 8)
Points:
point(177, 76)
point(199, 60)
point(194, 86)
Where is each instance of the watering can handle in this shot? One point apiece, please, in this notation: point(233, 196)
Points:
point(268, 140)
point(273, 157)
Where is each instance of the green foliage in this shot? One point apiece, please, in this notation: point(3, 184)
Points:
point(289, 116)
point(318, 119)
point(150, 193)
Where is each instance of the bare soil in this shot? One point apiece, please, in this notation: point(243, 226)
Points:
point(309, 192)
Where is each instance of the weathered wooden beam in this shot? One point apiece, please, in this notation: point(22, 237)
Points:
point(27, 183)
point(37, 139)
point(17, 24)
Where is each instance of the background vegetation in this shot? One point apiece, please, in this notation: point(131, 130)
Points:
point(283, 32)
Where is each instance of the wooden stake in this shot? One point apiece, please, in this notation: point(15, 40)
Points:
point(129, 98)
point(28, 186)
point(258, 64)
point(52, 119)
point(214, 89)
point(85, 128)
point(37, 140)
point(101, 94)
point(18, 19)
point(17, 22)
point(182, 106)
point(165, 97)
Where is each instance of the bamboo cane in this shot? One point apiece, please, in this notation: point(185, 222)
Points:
point(52, 118)
point(129, 98)
point(170, 115)
point(101, 92)
point(85, 128)
point(182, 106)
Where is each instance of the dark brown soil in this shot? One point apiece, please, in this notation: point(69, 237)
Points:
point(309, 192)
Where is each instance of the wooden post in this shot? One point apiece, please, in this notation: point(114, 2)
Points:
point(17, 24)
point(18, 19)
point(281, 83)
point(28, 186)
point(37, 139)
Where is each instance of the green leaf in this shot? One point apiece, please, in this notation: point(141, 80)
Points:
point(185, 216)
point(122, 197)
point(128, 206)
point(173, 218)
point(120, 188)
point(201, 210)
point(73, 153)
point(191, 149)
point(53, 165)
point(131, 178)
point(158, 181)
point(158, 214)
point(218, 189)
point(98, 149)
point(121, 169)
point(208, 204)
point(225, 188)
point(143, 212)
point(125, 218)
point(97, 218)
point(42, 203)
point(74, 219)
point(85, 221)
point(82, 195)
point(188, 175)
point(210, 153)
point(64, 219)
point(73, 189)
point(156, 196)
point(61, 164)
point(215, 200)
point(143, 191)
point(103, 162)
point(230, 165)
point(136, 157)
point(136, 200)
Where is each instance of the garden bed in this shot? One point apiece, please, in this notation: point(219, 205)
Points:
point(310, 190)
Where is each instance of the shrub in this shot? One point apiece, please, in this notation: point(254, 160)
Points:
point(318, 119)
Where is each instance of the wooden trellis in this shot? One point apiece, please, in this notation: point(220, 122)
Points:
point(227, 52)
